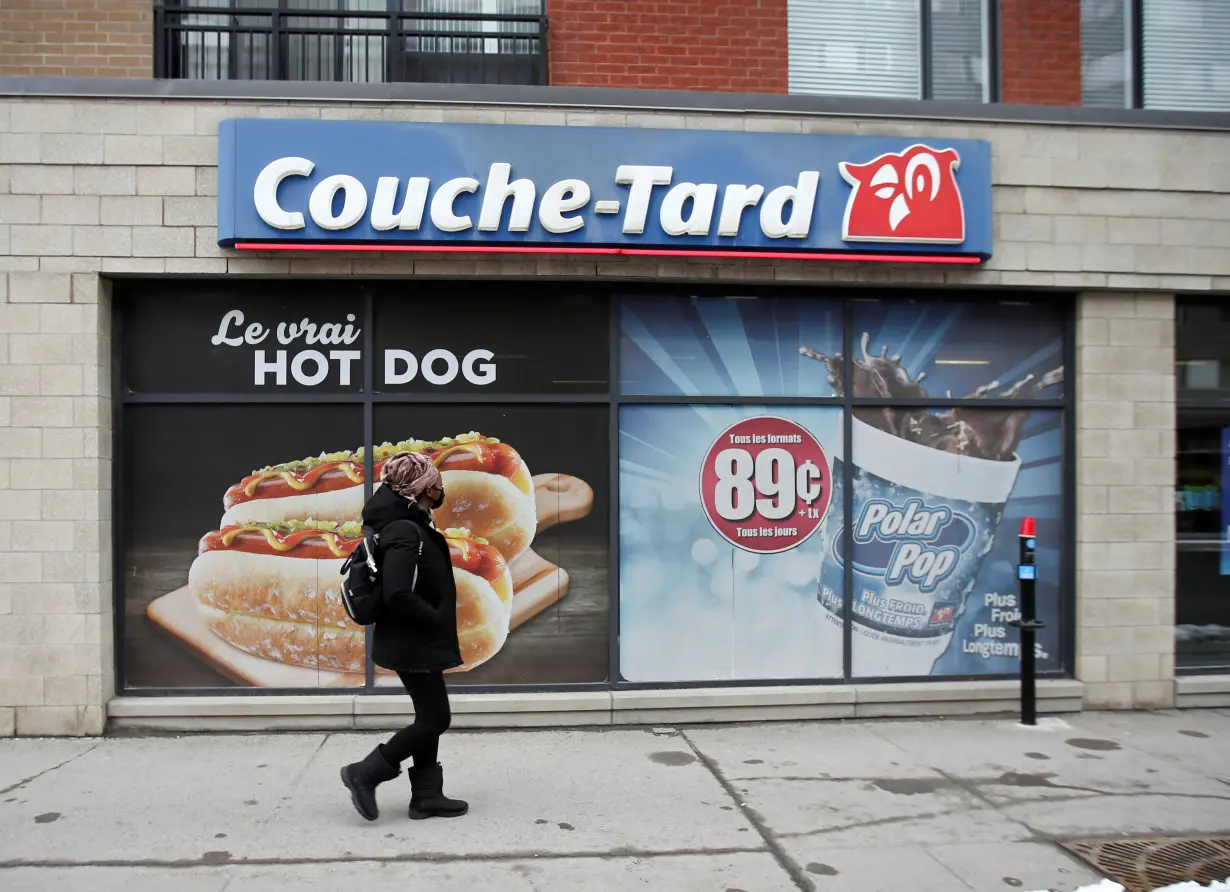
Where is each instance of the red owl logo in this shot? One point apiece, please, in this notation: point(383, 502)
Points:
point(907, 197)
point(942, 614)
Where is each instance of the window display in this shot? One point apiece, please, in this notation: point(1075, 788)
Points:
point(529, 484)
point(710, 453)
point(721, 530)
point(231, 574)
point(719, 510)
point(937, 504)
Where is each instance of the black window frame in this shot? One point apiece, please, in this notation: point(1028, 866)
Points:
point(614, 399)
point(1185, 403)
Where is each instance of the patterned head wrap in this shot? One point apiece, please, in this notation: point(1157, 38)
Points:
point(410, 474)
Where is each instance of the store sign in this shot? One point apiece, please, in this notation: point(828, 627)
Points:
point(329, 185)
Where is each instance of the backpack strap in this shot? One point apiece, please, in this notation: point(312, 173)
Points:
point(415, 581)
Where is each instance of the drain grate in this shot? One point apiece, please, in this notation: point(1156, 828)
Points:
point(1142, 865)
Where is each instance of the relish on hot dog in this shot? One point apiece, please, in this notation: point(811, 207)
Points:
point(272, 589)
point(488, 489)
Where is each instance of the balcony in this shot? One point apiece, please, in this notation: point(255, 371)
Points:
point(353, 41)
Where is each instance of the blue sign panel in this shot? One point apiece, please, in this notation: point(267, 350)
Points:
point(377, 183)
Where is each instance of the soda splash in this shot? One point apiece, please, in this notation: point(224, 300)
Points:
point(992, 434)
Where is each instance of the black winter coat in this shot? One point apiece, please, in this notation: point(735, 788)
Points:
point(418, 629)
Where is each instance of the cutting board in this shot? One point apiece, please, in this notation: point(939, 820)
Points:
point(537, 584)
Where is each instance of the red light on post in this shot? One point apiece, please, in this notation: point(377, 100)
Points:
point(1028, 528)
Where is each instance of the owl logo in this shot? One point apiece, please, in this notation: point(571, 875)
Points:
point(911, 197)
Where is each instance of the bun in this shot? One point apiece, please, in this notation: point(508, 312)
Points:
point(297, 590)
point(289, 610)
point(296, 643)
point(482, 619)
point(336, 505)
point(491, 507)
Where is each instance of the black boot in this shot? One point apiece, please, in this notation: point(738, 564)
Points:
point(362, 778)
point(427, 799)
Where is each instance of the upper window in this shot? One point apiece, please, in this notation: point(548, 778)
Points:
point(1163, 54)
point(895, 49)
point(356, 41)
point(1202, 350)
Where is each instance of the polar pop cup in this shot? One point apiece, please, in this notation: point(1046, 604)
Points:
point(923, 521)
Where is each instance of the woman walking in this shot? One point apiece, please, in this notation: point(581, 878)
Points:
point(416, 636)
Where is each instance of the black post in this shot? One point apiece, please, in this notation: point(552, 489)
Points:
point(1027, 575)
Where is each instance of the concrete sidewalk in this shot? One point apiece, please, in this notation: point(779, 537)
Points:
point(894, 805)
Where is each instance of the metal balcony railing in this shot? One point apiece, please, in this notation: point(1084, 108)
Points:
point(355, 41)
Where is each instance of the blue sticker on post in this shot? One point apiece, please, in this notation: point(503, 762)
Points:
point(1027, 571)
point(388, 186)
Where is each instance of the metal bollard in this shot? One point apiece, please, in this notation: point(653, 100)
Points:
point(1027, 575)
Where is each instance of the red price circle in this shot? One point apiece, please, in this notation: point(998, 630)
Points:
point(765, 484)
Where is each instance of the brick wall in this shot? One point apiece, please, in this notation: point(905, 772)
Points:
point(732, 46)
point(1041, 52)
point(1125, 499)
point(76, 38)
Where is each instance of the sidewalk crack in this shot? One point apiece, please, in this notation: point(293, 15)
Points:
point(295, 781)
point(34, 777)
point(754, 818)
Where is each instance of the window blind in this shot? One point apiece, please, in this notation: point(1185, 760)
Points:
point(855, 48)
point(1104, 56)
point(1186, 54)
point(958, 62)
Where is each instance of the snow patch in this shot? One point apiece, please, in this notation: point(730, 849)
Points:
point(1190, 886)
point(1044, 724)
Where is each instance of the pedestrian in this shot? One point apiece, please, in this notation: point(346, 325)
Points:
point(415, 636)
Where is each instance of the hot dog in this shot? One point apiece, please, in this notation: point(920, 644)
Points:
point(272, 590)
point(488, 489)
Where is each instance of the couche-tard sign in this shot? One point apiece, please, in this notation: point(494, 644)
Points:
point(395, 186)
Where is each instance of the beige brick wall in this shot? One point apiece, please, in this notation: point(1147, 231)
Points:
point(1125, 416)
point(95, 188)
point(76, 38)
point(56, 647)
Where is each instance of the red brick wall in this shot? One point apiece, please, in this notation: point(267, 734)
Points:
point(77, 38)
point(728, 46)
point(1041, 52)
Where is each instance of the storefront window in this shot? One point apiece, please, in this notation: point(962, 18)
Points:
point(546, 512)
point(1202, 499)
point(957, 435)
point(708, 453)
point(202, 610)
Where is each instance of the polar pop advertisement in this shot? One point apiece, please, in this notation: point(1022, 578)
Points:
point(735, 545)
point(719, 513)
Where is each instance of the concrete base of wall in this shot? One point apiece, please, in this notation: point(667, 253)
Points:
point(1202, 691)
point(592, 708)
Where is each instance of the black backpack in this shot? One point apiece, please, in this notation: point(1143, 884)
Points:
point(361, 592)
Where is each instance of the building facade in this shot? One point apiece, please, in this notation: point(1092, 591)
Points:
point(232, 289)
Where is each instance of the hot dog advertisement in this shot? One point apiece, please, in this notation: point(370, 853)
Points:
point(240, 513)
point(749, 532)
point(261, 604)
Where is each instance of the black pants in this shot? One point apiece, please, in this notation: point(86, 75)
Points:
point(432, 717)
